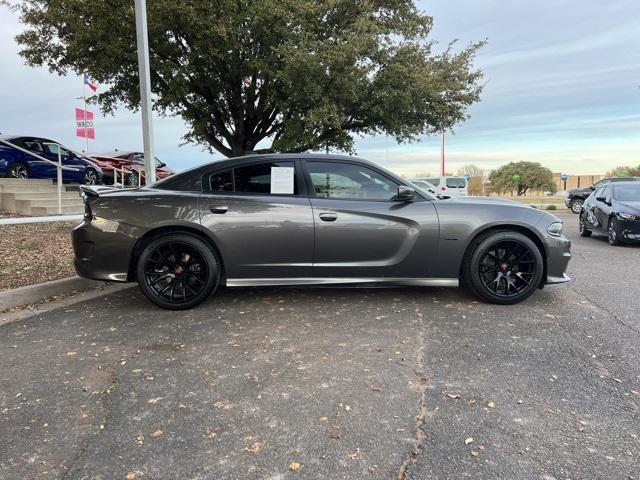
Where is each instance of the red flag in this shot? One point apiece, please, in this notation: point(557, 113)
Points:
point(84, 124)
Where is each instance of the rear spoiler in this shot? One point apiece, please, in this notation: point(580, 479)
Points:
point(96, 190)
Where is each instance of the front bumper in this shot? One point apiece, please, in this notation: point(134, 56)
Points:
point(628, 230)
point(103, 249)
point(558, 256)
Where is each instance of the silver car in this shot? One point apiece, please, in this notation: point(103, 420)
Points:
point(303, 219)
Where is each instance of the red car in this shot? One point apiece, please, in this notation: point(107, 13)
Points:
point(132, 163)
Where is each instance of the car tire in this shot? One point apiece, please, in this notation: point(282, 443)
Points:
point(576, 205)
point(178, 271)
point(582, 227)
point(507, 260)
point(90, 177)
point(132, 180)
point(18, 170)
point(612, 232)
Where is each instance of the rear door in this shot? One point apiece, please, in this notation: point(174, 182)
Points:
point(361, 230)
point(260, 217)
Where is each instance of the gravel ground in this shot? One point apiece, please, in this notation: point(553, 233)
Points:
point(35, 253)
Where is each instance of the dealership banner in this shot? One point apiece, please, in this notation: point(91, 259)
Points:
point(84, 124)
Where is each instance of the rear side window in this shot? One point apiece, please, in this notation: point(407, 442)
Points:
point(433, 181)
point(254, 178)
point(221, 181)
point(456, 182)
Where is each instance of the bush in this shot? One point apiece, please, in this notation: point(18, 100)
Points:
point(551, 207)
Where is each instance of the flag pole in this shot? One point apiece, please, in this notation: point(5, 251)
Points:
point(84, 115)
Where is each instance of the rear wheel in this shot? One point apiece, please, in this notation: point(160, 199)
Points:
point(18, 170)
point(178, 271)
point(584, 231)
point(503, 267)
point(576, 205)
point(612, 233)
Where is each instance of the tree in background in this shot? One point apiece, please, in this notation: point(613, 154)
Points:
point(476, 178)
point(294, 74)
point(623, 171)
point(522, 177)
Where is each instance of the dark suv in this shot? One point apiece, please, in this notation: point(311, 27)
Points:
point(577, 196)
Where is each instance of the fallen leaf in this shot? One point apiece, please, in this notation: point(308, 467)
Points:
point(254, 447)
point(157, 433)
point(347, 408)
point(335, 435)
point(293, 466)
point(375, 388)
point(72, 354)
point(474, 453)
point(211, 433)
point(467, 441)
point(130, 476)
point(490, 404)
point(635, 392)
point(140, 439)
point(455, 396)
point(155, 400)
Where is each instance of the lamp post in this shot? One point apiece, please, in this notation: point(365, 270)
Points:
point(145, 89)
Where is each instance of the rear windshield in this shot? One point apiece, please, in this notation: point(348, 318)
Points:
point(456, 182)
point(627, 193)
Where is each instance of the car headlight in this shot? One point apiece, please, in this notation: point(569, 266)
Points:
point(628, 216)
point(555, 229)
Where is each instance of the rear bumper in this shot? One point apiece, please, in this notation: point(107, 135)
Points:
point(558, 256)
point(103, 249)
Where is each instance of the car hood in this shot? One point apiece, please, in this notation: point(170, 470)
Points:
point(485, 201)
point(632, 208)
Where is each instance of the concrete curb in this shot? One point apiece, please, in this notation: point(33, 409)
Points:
point(31, 294)
point(50, 218)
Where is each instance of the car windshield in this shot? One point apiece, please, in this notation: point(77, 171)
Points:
point(627, 193)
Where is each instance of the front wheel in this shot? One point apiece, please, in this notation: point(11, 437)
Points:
point(90, 177)
point(576, 206)
point(612, 233)
point(178, 271)
point(503, 267)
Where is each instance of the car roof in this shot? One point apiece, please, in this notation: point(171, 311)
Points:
point(115, 153)
point(631, 183)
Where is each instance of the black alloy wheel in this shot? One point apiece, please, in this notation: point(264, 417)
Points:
point(612, 232)
point(503, 267)
point(90, 177)
point(178, 271)
point(18, 170)
point(576, 206)
point(584, 231)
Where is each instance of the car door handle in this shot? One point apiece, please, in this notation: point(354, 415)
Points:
point(328, 217)
point(219, 209)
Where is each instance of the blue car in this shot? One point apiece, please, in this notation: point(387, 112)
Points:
point(15, 163)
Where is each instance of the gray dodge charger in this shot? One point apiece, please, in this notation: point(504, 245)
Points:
point(311, 220)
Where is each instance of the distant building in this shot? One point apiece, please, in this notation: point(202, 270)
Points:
point(575, 181)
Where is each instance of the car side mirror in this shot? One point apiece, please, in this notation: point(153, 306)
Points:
point(405, 194)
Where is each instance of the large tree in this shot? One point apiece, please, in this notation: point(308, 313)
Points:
point(624, 171)
point(292, 74)
point(522, 177)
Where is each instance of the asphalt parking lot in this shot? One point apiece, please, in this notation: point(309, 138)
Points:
point(410, 383)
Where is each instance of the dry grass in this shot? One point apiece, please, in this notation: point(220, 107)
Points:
point(35, 253)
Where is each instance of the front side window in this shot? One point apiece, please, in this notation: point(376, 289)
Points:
point(350, 181)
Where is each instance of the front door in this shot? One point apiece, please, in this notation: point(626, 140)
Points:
point(261, 219)
point(362, 231)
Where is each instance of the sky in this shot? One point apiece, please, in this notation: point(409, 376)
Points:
point(562, 88)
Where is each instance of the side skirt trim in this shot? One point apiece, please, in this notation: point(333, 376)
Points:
point(261, 282)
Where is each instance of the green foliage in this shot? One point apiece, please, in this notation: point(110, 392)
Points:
point(521, 177)
point(623, 171)
point(298, 74)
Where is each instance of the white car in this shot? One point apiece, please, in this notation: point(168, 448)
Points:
point(450, 186)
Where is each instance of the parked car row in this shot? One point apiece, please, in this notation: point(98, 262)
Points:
point(576, 196)
point(447, 186)
point(94, 169)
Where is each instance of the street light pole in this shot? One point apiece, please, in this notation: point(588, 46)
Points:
point(442, 169)
point(145, 90)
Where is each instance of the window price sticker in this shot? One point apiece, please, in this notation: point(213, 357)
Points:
point(282, 180)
